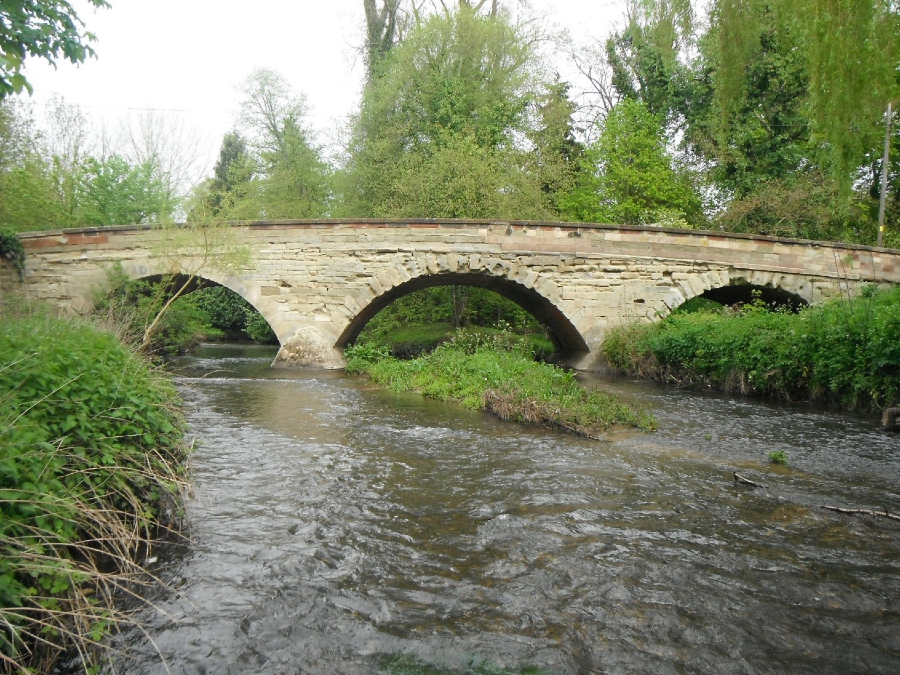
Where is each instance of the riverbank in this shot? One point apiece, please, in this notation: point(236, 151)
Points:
point(846, 352)
point(92, 461)
point(497, 373)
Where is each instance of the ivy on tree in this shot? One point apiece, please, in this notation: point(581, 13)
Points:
point(48, 29)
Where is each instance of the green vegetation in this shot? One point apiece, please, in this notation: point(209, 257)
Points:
point(419, 322)
point(778, 457)
point(639, 183)
point(11, 248)
point(91, 466)
point(441, 123)
point(766, 117)
point(476, 348)
point(497, 373)
point(846, 351)
point(211, 313)
point(48, 29)
point(779, 104)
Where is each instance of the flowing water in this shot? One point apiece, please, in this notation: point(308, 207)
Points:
point(340, 528)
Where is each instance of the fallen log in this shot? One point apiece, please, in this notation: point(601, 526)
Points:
point(864, 512)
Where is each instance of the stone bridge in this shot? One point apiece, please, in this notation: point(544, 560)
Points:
point(318, 283)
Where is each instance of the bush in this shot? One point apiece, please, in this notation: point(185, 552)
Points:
point(846, 351)
point(91, 463)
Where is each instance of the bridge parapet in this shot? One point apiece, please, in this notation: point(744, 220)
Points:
point(318, 282)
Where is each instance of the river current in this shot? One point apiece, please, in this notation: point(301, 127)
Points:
point(338, 528)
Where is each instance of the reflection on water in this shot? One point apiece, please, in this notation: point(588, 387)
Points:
point(335, 525)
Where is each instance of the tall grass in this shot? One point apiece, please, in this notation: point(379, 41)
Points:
point(496, 372)
point(92, 462)
point(845, 352)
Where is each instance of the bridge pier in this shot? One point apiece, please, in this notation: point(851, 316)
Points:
point(309, 347)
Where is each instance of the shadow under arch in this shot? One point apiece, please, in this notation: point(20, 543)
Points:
point(741, 292)
point(562, 332)
point(174, 282)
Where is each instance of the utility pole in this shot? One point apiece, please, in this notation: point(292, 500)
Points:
point(884, 176)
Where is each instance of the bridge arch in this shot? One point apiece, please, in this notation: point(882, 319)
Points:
point(561, 330)
point(729, 287)
point(203, 280)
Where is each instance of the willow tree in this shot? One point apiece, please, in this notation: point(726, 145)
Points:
point(851, 53)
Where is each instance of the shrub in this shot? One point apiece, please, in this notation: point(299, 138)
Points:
point(846, 351)
point(91, 463)
point(778, 457)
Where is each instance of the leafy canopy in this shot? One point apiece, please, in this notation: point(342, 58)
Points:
point(630, 178)
point(48, 29)
point(439, 130)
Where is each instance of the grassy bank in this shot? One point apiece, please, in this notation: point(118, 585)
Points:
point(91, 464)
point(845, 352)
point(497, 373)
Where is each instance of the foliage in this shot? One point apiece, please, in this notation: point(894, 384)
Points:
point(850, 51)
point(418, 322)
point(778, 457)
point(129, 306)
point(47, 29)
point(846, 351)
point(91, 460)
point(437, 133)
point(630, 178)
point(11, 248)
point(278, 172)
point(201, 246)
point(772, 98)
point(28, 197)
point(804, 206)
point(209, 313)
point(497, 373)
point(49, 181)
point(114, 192)
point(228, 312)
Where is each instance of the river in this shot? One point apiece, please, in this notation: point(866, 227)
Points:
point(339, 528)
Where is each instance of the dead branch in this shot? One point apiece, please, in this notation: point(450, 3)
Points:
point(738, 478)
point(864, 512)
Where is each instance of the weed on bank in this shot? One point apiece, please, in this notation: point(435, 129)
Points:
point(846, 351)
point(91, 466)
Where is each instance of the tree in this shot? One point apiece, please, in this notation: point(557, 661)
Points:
point(452, 102)
point(48, 29)
point(630, 177)
point(556, 157)
point(29, 195)
point(850, 51)
point(115, 192)
point(164, 142)
point(381, 32)
point(202, 245)
point(281, 174)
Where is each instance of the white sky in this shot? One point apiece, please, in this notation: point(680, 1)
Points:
point(190, 55)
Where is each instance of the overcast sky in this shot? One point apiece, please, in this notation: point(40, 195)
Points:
point(189, 56)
